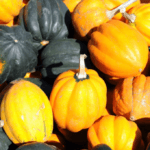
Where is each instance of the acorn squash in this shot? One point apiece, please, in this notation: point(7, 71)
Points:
point(27, 114)
point(101, 147)
point(37, 146)
point(46, 20)
point(5, 142)
point(118, 50)
point(17, 55)
point(62, 55)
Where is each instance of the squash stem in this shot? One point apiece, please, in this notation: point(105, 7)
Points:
point(81, 74)
point(1, 123)
point(111, 13)
point(132, 118)
point(130, 17)
point(44, 42)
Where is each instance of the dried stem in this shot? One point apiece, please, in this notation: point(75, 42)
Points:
point(81, 74)
point(130, 17)
point(111, 13)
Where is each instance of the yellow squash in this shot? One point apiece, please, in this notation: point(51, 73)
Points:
point(27, 113)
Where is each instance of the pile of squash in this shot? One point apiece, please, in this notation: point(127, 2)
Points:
point(74, 75)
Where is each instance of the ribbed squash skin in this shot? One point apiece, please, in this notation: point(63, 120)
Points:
point(37, 146)
point(45, 19)
point(45, 86)
point(9, 9)
point(17, 55)
point(118, 50)
point(77, 103)
point(27, 113)
point(142, 20)
point(116, 132)
point(131, 95)
point(87, 15)
point(61, 55)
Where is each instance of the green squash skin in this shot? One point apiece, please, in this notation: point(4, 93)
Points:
point(17, 53)
point(37, 146)
point(5, 142)
point(67, 19)
point(45, 20)
point(101, 147)
point(62, 55)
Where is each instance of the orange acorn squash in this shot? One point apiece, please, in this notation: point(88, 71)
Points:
point(139, 18)
point(115, 80)
point(88, 15)
point(118, 50)
point(78, 98)
point(9, 9)
point(116, 132)
point(71, 4)
point(131, 99)
point(27, 113)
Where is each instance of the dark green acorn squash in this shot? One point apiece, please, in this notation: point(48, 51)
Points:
point(5, 142)
point(101, 147)
point(46, 20)
point(17, 55)
point(62, 55)
point(67, 18)
point(37, 146)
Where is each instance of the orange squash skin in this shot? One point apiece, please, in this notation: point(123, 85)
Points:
point(71, 4)
point(87, 15)
point(116, 132)
point(142, 20)
point(9, 9)
point(118, 50)
point(132, 95)
point(77, 104)
point(27, 113)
